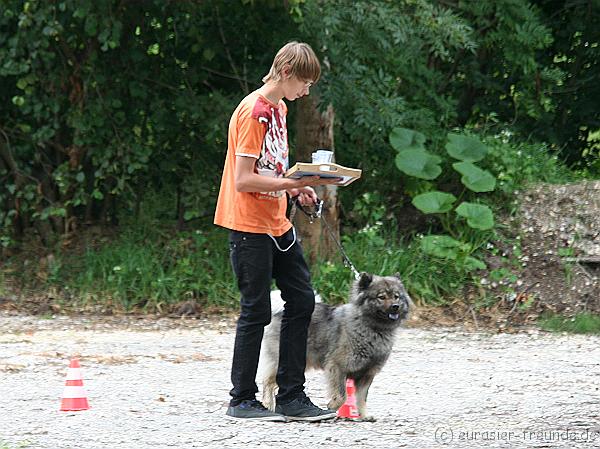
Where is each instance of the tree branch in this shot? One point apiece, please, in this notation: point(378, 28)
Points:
point(231, 63)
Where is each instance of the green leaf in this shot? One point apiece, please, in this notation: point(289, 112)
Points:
point(472, 264)
point(190, 215)
point(49, 31)
point(434, 202)
point(80, 177)
point(478, 216)
point(24, 127)
point(208, 54)
point(465, 148)
point(442, 246)
point(18, 100)
point(153, 49)
point(404, 139)
point(419, 163)
point(475, 178)
point(53, 212)
point(103, 36)
point(83, 9)
point(91, 25)
point(59, 211)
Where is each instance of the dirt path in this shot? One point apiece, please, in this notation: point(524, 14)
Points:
point(162, 384)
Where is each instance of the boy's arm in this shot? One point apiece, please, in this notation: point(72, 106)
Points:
point(246, 180)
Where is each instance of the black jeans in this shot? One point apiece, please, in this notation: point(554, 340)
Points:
point(256, 262)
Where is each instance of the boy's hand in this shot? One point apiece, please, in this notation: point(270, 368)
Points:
point(306, 196)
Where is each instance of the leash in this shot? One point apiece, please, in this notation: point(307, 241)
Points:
point(316, 214)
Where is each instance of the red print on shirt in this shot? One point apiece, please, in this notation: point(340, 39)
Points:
point(274, 151)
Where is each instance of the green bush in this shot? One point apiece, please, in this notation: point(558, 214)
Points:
point(380, 250)
point(414, 160)
point(518, 164)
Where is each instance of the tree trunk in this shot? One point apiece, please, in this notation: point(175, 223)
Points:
point(7, 162)
point(315, 130)
point(180, 209)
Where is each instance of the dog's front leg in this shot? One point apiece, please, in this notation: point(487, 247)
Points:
point(336, 381)
point(362, 390)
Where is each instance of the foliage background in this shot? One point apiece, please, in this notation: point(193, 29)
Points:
point(114, 114)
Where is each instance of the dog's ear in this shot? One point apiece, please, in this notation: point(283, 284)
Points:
point(364, 280)
point(397, 275)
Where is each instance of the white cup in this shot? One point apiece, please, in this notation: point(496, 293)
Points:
point(322, 156)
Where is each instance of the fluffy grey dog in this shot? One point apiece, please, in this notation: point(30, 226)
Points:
point(352, 340)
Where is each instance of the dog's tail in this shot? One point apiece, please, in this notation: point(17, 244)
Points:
point(277, 303)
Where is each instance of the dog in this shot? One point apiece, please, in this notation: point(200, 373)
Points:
point(352, 340)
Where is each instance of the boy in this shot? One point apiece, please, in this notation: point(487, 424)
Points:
point(252, 204)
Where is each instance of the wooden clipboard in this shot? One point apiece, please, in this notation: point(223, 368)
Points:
point(325, 170)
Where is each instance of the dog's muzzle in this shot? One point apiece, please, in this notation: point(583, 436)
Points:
point(395, 310)
point(394, 315)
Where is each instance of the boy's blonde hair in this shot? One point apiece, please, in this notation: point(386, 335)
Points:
point(301, 59)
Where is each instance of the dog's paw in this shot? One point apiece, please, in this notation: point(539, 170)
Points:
point(269, 402)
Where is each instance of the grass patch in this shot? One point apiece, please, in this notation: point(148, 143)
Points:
point(148, 269)
point(154, 268)
point(3, 290)
point(583, 323)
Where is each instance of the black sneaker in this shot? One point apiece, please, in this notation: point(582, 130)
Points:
point(253, 409)
point(302, 409)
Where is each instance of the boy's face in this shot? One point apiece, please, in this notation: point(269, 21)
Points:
point(295, 88)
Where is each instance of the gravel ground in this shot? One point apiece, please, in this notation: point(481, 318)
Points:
point(164, 383)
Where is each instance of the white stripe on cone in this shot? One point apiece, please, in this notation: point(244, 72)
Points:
point(74, 392)
point(74, 374)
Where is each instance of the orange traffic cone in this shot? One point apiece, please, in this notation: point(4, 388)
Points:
point(349, 410)
point(74, 397)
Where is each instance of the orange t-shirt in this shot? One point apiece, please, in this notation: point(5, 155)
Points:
point(257, 129)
